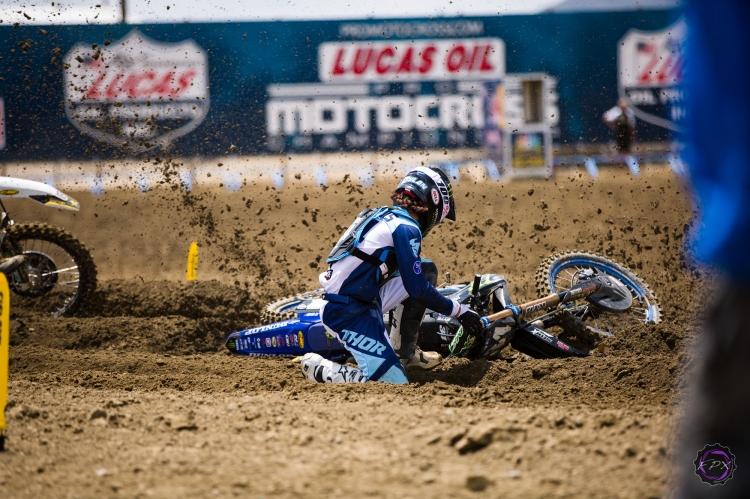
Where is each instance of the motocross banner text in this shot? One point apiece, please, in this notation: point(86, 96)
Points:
point(117, 91)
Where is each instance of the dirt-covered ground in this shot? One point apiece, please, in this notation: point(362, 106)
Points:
point(137, 398)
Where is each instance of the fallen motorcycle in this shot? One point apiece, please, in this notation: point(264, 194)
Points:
point(584, 295)
point(58, 274)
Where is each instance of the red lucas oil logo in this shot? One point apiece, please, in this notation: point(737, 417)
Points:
point(414, 60)
point(136, 93)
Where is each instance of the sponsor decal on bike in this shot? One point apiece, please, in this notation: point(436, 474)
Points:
point(541, 334)
point(273, 341)
point(715, 464)
point(9, 192)
point(563, 345)
point(301, 339)
point(418, 267)
point(270, 327)
point(136, 92)
point(579, 291)
point(534, 308)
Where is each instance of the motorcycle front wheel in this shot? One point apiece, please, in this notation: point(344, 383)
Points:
point(562, 270)
point(58, 275)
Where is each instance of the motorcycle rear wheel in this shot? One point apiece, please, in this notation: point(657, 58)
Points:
point(559, 272)
point(283, 309)
point(61, 275)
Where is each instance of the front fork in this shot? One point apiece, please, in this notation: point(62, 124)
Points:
point(19, 278)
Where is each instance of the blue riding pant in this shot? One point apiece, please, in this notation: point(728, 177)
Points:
point(360, 327)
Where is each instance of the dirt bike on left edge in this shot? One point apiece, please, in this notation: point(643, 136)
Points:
point(57, 274)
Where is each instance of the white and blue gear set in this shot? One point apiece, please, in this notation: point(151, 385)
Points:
point(375, 266)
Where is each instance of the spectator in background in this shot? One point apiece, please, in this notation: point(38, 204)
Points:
point(718, 154)
point(621, 119)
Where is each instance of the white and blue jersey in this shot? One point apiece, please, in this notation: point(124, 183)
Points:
point(359, 288)
point(392, 232)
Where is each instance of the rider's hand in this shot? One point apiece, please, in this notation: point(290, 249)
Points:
point(470, 321)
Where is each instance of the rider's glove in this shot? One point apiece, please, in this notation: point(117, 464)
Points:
point(470, 321)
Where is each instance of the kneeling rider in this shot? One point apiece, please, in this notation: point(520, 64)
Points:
point(376, 266)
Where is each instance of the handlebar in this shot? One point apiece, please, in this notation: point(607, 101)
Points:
point(475, 286)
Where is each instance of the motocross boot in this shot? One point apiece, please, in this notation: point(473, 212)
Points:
point(405, 322)
point(8, 265)
point(321, 370)
point(423, 360)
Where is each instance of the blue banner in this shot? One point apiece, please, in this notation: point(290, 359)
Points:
point(115, 91)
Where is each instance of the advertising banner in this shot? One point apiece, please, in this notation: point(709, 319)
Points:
point(651, 73)
point(530, 152)
point(136, 93)
point(216, 89)
point(413, 60)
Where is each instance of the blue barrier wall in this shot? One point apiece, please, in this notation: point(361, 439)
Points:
point(580, 50)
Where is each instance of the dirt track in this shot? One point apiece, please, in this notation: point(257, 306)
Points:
point(138, 398)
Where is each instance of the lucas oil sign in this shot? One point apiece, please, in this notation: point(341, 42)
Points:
point(387, 94)
point(135, 92)
point(416, 60)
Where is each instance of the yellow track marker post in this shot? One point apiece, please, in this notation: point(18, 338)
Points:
point(192, 264)
point(4, 352)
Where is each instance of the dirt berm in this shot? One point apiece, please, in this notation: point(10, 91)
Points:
point(137, 398)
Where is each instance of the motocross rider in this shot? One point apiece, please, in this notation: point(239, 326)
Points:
point(376, 266)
